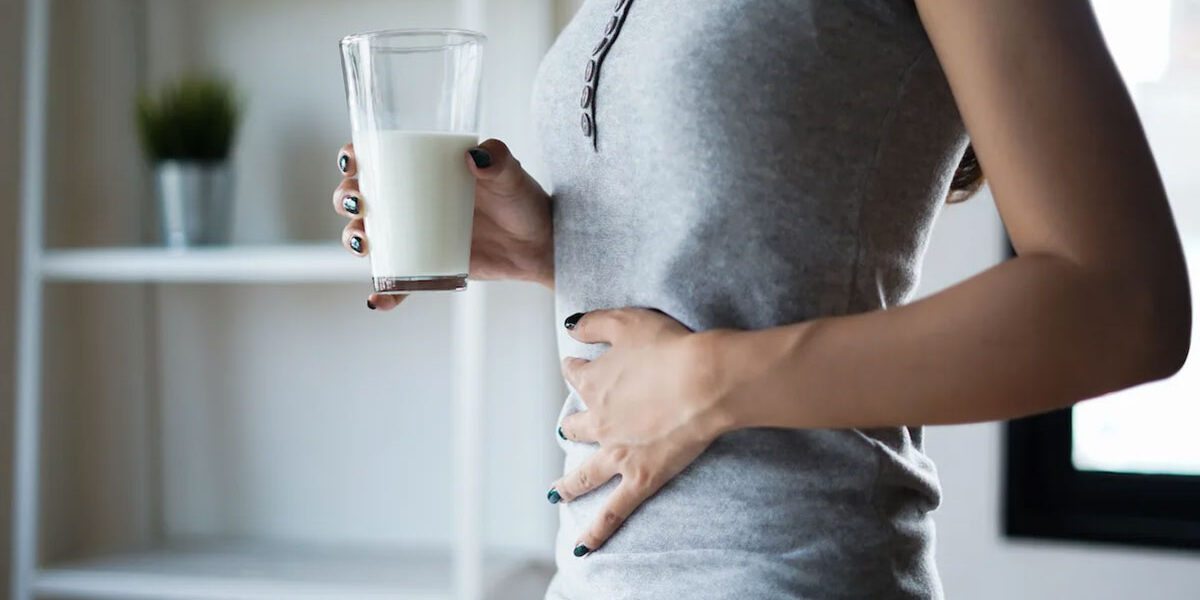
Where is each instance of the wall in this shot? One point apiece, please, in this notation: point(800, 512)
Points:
point(975, 559)
point(11, 39)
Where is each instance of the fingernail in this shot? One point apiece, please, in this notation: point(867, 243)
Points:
point(580, 550)
point(570, 322)
point(350, 203)
point(553, 496)
point(344, 163)
point(560, 433)
point(482, 158)
point(370, 305)
point(356, 244)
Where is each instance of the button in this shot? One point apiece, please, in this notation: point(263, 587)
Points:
point(586, 101)
point(590, 71)
point(611, 27)
point(586, 124)
point(600, 47)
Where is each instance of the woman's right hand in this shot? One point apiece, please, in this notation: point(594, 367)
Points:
point(512, 236)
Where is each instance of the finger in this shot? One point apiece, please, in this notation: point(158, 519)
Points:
point(593, 473)
point(347, 200)
point(354, 237)
point(623, 501)
point(385, 302)
point(579, 427)
point(574, 371)
point(605, 325)
point(494, 165)
point(346, 162)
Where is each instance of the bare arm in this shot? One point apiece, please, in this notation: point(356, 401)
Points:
point(1097, 299)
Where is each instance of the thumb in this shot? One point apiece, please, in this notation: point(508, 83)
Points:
point(493, 165)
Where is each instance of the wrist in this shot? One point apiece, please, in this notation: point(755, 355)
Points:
point(715, 381)
point(751, 368)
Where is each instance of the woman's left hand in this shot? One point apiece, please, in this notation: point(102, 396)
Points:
point(653, 405)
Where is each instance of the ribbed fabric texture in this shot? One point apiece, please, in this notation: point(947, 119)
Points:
point(755, 163)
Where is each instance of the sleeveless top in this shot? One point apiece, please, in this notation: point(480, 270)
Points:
point(749, 164)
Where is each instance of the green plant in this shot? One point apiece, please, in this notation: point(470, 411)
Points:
point(193, 119)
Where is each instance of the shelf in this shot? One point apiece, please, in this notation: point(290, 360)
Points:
point(257, 571)
point(299, 263)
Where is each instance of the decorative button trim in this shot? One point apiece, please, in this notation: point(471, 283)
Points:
point(591, 73)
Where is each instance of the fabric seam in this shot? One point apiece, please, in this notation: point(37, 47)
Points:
point(872, 171)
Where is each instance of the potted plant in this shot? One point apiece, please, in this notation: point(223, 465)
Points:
point(187, 131)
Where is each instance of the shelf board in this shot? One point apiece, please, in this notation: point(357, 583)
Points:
point(296, 263)
point(258, 571)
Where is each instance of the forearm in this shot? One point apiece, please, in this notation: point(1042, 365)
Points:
point(1030, 335)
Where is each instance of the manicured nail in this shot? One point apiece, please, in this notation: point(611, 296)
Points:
point(350, 203)
point(553, 496)
point(356, 244)
point(572, 320)
point(560, 433)
point(482, 158)
point(580, 550)
point(370, 305)
point(344, 163)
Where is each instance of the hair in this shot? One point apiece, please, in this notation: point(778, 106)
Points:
point(968, 177)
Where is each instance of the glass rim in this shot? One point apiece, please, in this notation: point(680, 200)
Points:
point(448, 33)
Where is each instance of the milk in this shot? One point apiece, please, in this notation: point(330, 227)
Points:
point(418, 201)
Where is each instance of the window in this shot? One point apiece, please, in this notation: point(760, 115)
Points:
point(1126, 467)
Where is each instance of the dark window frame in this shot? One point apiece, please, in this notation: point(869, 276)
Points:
point(1045, 496)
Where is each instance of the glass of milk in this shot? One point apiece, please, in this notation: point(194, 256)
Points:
point(413, 96)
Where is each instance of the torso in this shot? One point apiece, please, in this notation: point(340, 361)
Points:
point(752, 163)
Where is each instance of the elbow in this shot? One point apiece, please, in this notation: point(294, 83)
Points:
point(1166, 328)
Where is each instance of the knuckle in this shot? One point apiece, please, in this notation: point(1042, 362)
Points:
point(619, 454)
point(610, 519)
point(639, 478)
point(582, 479)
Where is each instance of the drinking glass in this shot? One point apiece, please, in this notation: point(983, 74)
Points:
point(413, 97)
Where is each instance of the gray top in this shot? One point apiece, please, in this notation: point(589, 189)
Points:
point(751, 163)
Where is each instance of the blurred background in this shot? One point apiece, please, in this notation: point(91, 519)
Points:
point(256, 440)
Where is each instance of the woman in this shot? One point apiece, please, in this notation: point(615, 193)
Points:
point(740, 190)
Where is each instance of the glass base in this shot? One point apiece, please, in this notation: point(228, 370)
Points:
point(405, 285)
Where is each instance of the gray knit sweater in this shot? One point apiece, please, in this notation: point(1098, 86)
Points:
point(747, 164)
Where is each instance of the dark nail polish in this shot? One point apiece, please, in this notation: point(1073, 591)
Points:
point(356, 244)
point(350, 203)
point(344, 163)
point(580, 550)
point(572, 320)
point(560, 433)
point(370, 305)
point(553, 496)
point(482, 158)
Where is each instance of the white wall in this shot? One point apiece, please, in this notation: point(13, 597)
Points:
point(975, 559)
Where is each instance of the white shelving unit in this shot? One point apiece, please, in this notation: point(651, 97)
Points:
point(231, 569)
point(317, 263)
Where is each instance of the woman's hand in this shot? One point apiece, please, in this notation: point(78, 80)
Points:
point(653, 405)
point(512, 236)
